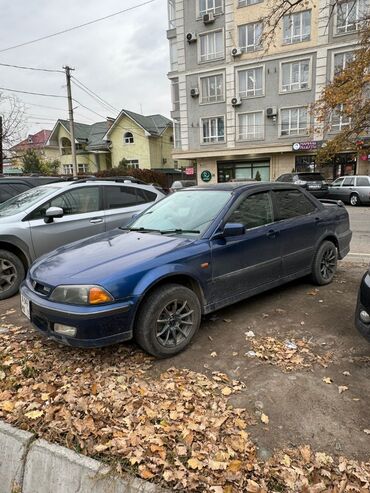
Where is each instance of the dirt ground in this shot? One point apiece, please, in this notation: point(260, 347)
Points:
point(301, 407)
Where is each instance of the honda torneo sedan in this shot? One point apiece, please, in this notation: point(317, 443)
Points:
point(189, 254)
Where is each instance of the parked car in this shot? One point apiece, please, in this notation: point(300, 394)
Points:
point(363, 307)
point(354, 190)
point(313, 182)
point(179, 184)
point(196, 251)
point(12, 186)
point(43, 218)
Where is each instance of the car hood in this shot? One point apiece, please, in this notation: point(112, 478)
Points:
point(100, 257)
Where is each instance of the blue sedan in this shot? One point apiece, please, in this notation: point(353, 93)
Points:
point(190, 254)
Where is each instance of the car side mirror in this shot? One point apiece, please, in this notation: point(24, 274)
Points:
point(233, 229)
point(53, 213)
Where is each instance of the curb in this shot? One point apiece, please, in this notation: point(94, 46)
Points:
point(28, 465)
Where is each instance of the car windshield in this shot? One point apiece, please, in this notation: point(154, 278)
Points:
point(185, 212)
point(23, 201)
point(311, 177)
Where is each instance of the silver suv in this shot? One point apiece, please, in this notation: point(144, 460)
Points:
point(352, 189)
point(46, 217)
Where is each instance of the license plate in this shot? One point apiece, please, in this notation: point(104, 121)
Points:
point(314, 187)
point(25, 306)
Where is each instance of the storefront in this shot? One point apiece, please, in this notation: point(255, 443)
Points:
point(342, 165)
point(243, 170)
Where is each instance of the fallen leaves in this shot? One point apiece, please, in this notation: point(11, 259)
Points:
point(287, 355)
point(34, 414)
point(327, 380)
point(342, 388)
point(265, 419)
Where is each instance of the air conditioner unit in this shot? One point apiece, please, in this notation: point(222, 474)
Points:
point(209, 18)
point(236, 52)
point(271, 112)
point(191, 37)
point(236, 101)
point(194, 93)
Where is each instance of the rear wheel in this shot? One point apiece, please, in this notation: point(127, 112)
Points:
point(12, 273)
point(167, 321)
point(325, 263)
point(354, 199)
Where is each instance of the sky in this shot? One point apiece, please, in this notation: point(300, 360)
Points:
point(123, 59)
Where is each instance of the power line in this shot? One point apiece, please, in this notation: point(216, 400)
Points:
point(32, 93)
point(32, 68)
point(92, 93)
point(94, 21)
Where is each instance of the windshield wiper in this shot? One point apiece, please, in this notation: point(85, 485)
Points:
point(140, 230)
point(178, 231)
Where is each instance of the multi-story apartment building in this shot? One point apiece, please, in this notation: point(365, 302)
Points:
point(241, 109)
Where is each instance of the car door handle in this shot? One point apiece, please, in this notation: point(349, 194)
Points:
point(96, 220)
point(271, 233)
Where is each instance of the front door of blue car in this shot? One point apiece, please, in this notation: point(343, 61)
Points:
point(243, 263)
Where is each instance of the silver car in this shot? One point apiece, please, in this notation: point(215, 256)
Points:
point(46, 217)
point(351, 189)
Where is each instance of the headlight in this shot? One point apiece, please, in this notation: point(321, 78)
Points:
point(81, 295)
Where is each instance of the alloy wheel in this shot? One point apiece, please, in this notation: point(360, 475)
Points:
point(328, 263)
point(354, 200)
point(174, 323)
point(8, 274)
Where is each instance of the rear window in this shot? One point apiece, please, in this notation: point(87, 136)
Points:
point(363, 181)
point(311, 177)
point(117, 197)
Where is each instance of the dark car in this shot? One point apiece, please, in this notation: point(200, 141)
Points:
point(12, 186)
point(192, 253)
point(363, 307)
point(313, 182)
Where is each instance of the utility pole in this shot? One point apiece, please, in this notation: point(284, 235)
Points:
point(71, 123)
point(1, 145)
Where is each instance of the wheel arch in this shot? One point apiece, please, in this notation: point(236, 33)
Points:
point(16, 250)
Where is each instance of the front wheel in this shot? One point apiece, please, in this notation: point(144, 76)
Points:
point(167, 321)
point(12, 273)
point(325, 263)
point(354, 199)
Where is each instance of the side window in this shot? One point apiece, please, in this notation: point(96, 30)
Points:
point(145, 196)
point(6, 192)
point(337, 183)
point(292, 203)
point(363, 181)
point(76, 201)
point(349, 182)
point(117, 197)
point(253, 211)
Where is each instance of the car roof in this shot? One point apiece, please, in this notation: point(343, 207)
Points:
point(231, 186)
point(84, 183)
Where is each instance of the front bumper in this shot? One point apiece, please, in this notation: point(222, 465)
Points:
point(96, 326)
point(363, 303)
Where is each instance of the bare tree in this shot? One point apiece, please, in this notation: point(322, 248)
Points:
point(14, 122)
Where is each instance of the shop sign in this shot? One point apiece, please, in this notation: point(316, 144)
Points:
point(189, 171)
point(206, 175)
point(310, 145)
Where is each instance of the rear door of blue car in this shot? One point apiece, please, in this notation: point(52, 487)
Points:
point(298, 219)
point(243, 263)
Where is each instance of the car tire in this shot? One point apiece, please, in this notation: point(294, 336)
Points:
point(324, 264)
point(12, 273)
point(167, 321)
point(354, 199)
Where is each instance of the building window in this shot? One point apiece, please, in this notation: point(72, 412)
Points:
point(297, 27)
point(207, 6)
point(175, 93)
point(251, 126)
point(173, 54)
point(339, 121)
point(211, 46)
point(251, 82)
point(171, 14)
point(68, 169)
point(177, 132)
point(348, 15)
point(341, 61)
point(244, 3)
point(294, 121)
point(212, 89)
point(128, 138)
point(295, 76)
point(132, 163)
point(65, 146)
point(213, 130)
point(305, 163)
point(250, 36)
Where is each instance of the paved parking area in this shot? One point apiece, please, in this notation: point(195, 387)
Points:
point(360, 225)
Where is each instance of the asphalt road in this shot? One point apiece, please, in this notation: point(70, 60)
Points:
point(360, 225)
